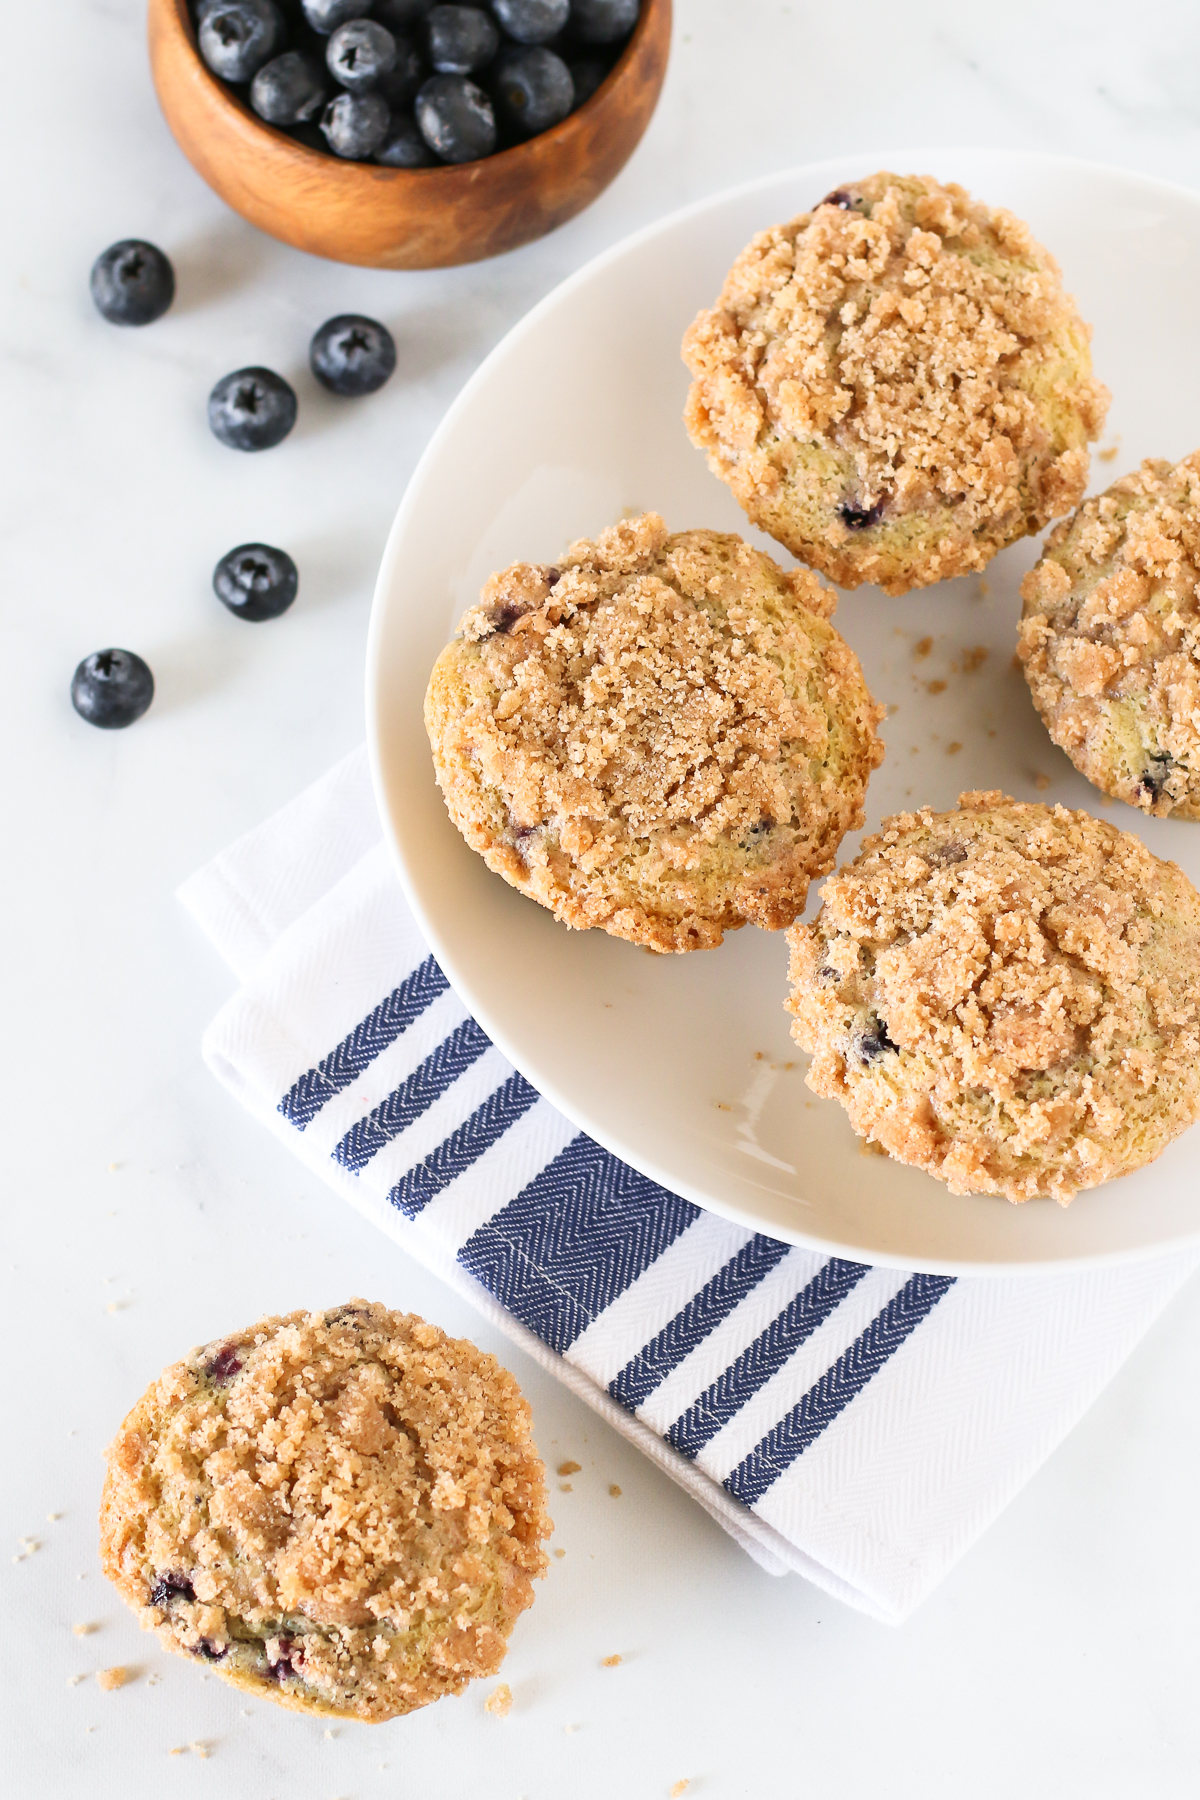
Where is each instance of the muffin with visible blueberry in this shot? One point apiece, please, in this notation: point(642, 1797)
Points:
point(663, 736)
point(895, 385)
point(340, 1511)
point(1110, 638)
point(1007, 996)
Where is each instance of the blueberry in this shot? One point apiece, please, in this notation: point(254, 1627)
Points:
point(587, 74)
point(531, 21)
point(326, 15)
point(236, 39)
point(603, 21)
point(1155, 775)
point(401, 15)
point(352, 355)
point(256, 581)
point(861, 518)
point(356, 125)
point(404, 147)
point(111, 688)
point(132, 283)
point(225, 1364)
point(456, 119)
point(871, 1042)
point(358, 53)
point(170, 1587)
point(400, 84)
point(252, 409)
point(946, 855)
point(841, 198)
point(461, 39)
point(532, 88)
point(288, 90)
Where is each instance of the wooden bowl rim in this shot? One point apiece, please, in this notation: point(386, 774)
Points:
point(349, 168)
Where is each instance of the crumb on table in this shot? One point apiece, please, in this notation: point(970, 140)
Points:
point(499, 1701)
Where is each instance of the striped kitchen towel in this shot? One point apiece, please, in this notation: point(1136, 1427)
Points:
point(858, 1426)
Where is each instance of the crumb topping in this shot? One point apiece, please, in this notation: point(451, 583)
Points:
point(663, 735)
point(900, 353)
point(344, 1509)
point(1006, 996)
point(1110, 638)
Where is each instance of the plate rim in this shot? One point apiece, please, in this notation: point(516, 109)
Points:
point(384, 585)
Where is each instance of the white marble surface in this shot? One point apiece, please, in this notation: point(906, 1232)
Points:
point(144, 1213)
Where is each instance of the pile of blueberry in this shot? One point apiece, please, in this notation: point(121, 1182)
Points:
point(133, 283)
point(407, 83)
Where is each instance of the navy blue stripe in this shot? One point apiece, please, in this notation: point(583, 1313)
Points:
point(836, 1388)
point(702, 1314)
point(406, 1103)
point(765, 1356)
point(304, 1100)
point(576, 1237)
point(418, 1186)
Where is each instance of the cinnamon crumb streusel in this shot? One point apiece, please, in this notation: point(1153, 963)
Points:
point(663, 736)
point(1110, 638)
point(340, 1511)
point(895, 385)
point(1007, 996)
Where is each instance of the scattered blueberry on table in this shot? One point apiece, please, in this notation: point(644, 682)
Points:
point(252, 409)
point(256, 581)
point(132, 283)
point(411, 83)
point(112, 688)
point(352, 355)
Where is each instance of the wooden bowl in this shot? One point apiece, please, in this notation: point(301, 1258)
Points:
point(403, 218)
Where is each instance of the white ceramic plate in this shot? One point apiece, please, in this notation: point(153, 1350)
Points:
point(683, 1065)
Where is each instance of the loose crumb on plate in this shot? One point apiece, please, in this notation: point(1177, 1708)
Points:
point(560, 1553)
point(499, 1701)
point(610, 1662)
point(615, 1491)
point(681, 1787)
point(569, 1468)
point(922, 648)
point(85, 1630)
point(974, 658)
point(1042, 782)
point(113, 1678)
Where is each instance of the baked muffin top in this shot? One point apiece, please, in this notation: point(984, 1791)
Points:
point(895, 384)
point(1007, 996)
point(341, 1510)
point(1110, 638)
point(662, 735)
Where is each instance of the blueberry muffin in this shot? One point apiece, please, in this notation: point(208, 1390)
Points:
point(1110, 638)
point(663, 736)
point(1007, 996)
point(895, 385)
point(339, 1511)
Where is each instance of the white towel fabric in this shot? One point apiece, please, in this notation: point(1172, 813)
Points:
point(858, 1426)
